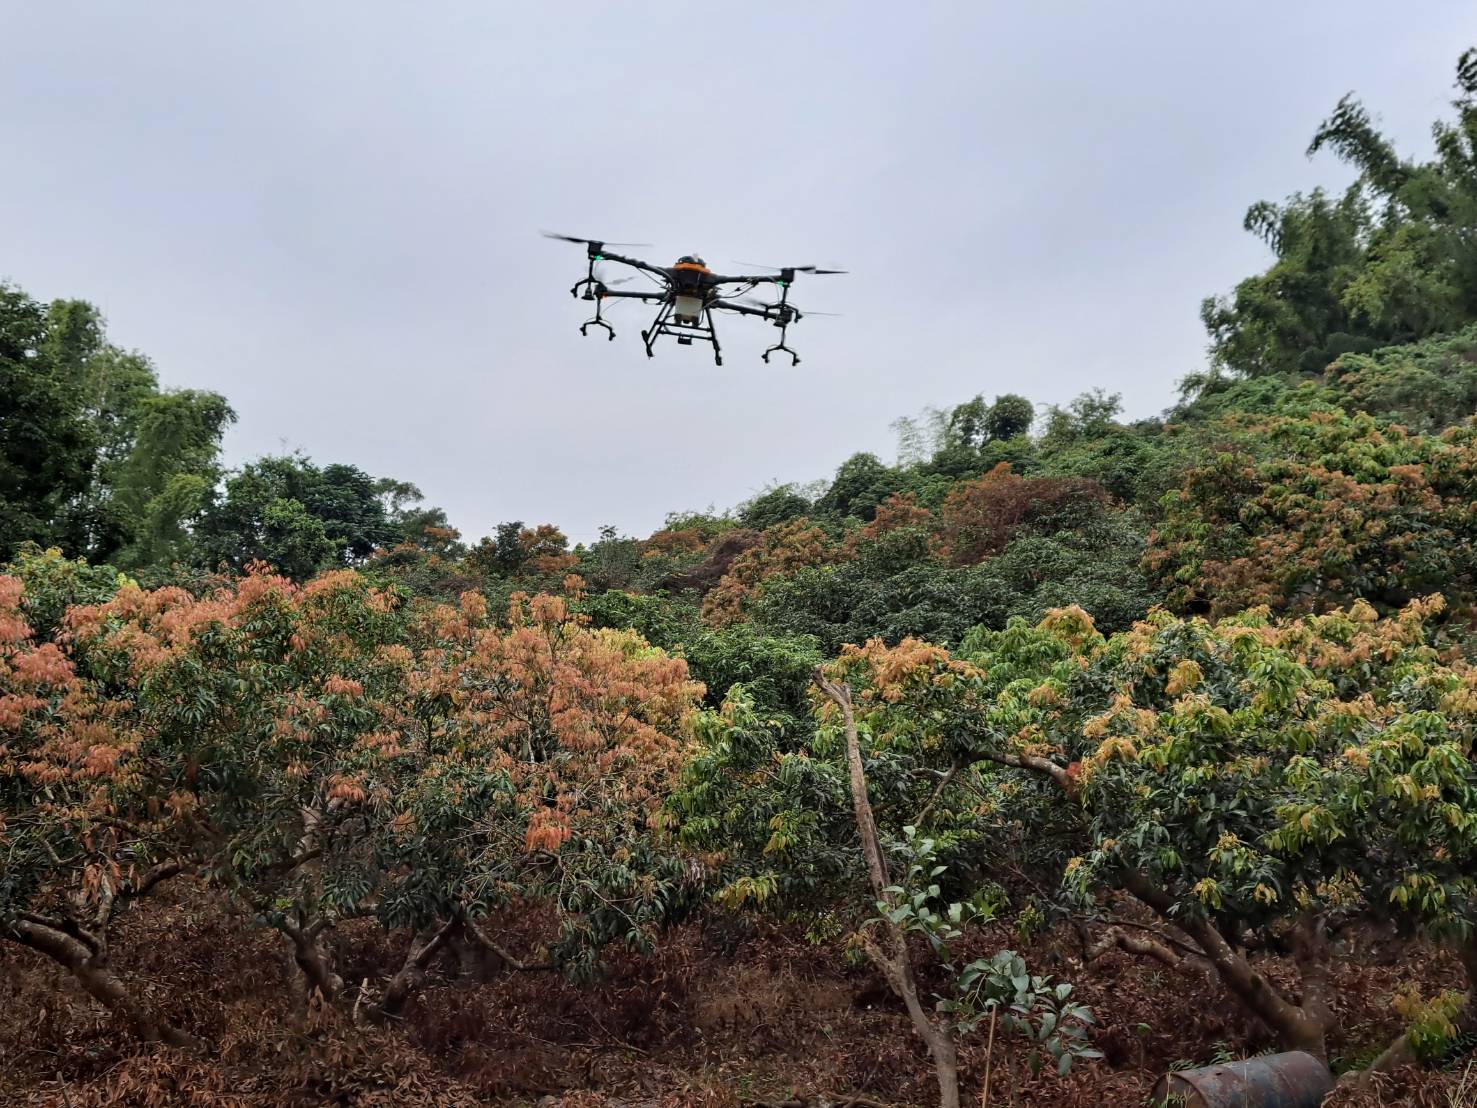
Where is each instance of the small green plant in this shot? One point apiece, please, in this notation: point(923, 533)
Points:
point(1026, 1003)
point(1000, 986)
point(1222, 1054)
point(1431, 1027)
point(823, 928)
point(1030, 923)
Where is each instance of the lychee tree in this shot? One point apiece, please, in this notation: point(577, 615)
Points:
point(1252, 783)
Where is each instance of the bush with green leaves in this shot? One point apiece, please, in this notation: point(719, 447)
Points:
point(998, 987)
point(1285, 781)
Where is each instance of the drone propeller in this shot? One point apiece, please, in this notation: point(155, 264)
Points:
point(795, 268)
point(588, 242)
point(788, 307)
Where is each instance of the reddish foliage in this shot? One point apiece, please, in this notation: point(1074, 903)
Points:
point(1305, 514)
point(686, 540)
point(721, 555)
point(786, 547)
point(546, 550)
point(896, 512)
point(978, 518)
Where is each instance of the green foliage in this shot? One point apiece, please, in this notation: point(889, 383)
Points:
point(998, 986)
point(1088, 416)
point(52, 583)
point(1308, 513)
point(892, 588)
point(301, 518)
point(1391, 261)
point(1097, 567)
point(861, 483)
point(1029, 1004)
point(774, 669)
point(167, 477)
point(1292, 319)
point(660, 620)
point(1251, 770)
point(1432, 1025)
point(774, 506)
point(613, 562)
point(1009, 417)
point(47, 444)
point(1135, 465)
point(1425, 386)
point(125, 465)
point(774, 820)
point(500, 554)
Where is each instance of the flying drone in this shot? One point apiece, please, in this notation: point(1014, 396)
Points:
point(689, 293)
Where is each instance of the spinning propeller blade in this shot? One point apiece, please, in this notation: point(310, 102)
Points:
point(588, 242)
point(797, 268)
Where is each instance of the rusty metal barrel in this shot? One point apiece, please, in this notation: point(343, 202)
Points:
point(1292, 1080)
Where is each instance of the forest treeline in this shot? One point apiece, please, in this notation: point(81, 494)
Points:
point(1196, 686)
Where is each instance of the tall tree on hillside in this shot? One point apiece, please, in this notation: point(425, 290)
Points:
point(861, 483)
point(1391, 261)
point(47, 445)
point(301, 518)
point(98, 459)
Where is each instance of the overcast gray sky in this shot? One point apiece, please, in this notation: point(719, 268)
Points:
point(329, 212)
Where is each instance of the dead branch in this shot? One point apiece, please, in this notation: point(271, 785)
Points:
point(481, 937)
point(937, 792)
point(1117, 938)
point(896, 966)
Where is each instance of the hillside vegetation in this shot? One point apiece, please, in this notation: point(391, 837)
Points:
point(1062, 748)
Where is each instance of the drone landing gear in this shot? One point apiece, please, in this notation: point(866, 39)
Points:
point(794, 357)
point(597, 295)
point(597, 322)
point(786, 313)
point(667, 323)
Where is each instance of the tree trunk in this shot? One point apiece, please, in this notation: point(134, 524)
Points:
point(1467, 952)
point(898, 967)
point(1296, 1027)
point(312, 959)
point(472, 959)
point(413, 972)
point(938, 1037)
point(89, 967)
point(1116, 938)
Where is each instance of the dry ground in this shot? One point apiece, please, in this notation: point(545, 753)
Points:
point(727, 1014)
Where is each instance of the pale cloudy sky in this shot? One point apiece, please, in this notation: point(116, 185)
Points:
point(329, 212)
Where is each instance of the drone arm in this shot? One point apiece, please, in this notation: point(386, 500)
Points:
point(765, 279)
point(634, 263)
point(743, 309)
point(654, 294)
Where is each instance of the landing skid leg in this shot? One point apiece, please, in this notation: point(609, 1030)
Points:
point(650, 336)
point(713, 330)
